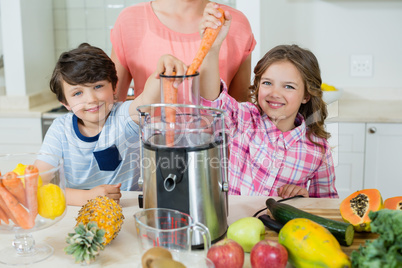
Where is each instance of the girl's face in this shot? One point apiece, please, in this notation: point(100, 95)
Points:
point(91, 102)
point(281, 92)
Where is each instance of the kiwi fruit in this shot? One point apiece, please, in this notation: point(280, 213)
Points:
point(154, 253)
point(166, 263)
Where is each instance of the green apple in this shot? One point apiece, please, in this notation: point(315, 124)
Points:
point(247, 232)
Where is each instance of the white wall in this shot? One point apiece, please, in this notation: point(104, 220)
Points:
point(336, 29)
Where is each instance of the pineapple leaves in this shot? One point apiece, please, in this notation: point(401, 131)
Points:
point(85, 243)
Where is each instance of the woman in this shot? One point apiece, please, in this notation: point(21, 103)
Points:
point(144, 32)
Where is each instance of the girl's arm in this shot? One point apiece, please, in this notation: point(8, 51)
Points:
point(323, 182)
point(209, 70)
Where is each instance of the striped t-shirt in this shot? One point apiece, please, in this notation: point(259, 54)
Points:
point(110, 157)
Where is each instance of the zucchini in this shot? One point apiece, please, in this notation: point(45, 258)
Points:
point(343, 232)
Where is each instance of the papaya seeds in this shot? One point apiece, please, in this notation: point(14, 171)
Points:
point(356, 207)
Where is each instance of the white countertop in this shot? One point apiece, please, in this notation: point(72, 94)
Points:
point(368, 111)
point(358, 106)
point(123, 251)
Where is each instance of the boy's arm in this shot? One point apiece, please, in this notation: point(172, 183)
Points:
point(209, 70)
point(78, 197)
point(168, 65)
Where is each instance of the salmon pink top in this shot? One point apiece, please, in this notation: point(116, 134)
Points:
point(139, 39)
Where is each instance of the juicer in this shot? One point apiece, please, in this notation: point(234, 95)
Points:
point(189, 175)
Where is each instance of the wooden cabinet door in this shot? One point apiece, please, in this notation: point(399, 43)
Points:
point(383, 158)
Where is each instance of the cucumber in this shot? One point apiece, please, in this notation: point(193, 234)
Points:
point(270, 223)
point(343, 232)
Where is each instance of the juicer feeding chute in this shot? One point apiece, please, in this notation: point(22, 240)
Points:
point(189, 174)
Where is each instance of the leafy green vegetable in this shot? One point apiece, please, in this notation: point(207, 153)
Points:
point(386, 250)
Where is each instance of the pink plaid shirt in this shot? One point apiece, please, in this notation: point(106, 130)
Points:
point(263, 158)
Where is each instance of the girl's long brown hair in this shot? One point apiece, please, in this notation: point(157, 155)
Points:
point(315, 110)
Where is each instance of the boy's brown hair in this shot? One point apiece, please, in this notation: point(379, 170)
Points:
point(80, 66)
point(315, 110)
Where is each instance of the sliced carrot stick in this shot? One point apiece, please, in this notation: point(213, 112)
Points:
point(18, 212)
point(14, 185)
point(169, 97)
point(206, 43)
point(4, 207)
point(3, 216)
point(31, 191)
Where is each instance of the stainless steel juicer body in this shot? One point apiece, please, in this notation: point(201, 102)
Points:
point(191, 175)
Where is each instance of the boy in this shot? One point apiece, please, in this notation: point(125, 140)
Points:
point(98, 141)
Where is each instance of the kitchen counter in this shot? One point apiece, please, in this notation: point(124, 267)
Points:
point(34, 112)
point(123, 251)
point(368, 111)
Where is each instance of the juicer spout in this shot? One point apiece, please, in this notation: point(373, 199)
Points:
point(170, 182)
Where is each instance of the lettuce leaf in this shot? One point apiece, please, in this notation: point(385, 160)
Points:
point(386, 250)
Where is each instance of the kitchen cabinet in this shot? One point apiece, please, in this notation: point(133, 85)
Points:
point(383, 158)
point(350, 169)
point(369, 158)
point(20, 134)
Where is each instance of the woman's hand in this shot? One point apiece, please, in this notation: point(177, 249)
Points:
point(290, 190)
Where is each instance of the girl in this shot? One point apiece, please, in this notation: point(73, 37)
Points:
point(277, 142)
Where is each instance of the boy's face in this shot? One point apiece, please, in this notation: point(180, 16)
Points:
point(91, 103)
point(281, 92)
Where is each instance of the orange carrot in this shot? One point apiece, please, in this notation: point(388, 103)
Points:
point(3, 216)
point(206, 43)
point(170, 97)
point(31, 191)
point(19, 215)
point(14, 185)
point(4, 207)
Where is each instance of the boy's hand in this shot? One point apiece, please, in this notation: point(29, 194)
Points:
point(170, 65)
point(111, 191)
point(210, 19)
point(290, 190)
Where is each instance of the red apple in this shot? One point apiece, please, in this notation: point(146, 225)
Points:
point(226, 253)
point(268, 253)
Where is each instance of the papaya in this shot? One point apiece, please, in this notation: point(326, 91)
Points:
point(393, 203)
point(356, 207)
point(311, 245)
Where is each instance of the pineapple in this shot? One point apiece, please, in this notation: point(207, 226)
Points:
point(106, 213)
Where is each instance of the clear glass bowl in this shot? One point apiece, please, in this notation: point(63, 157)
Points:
point(29, 203)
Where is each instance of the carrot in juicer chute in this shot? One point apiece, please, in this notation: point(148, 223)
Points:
point(206, 43)
point(170, 92)
point(170, 97)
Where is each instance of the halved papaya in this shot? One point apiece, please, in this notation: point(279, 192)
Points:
point(393, 203)
point(356, 207)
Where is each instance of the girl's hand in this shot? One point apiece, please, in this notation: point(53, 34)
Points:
point(210, 19)
point(290, 190)
point(111, 191)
